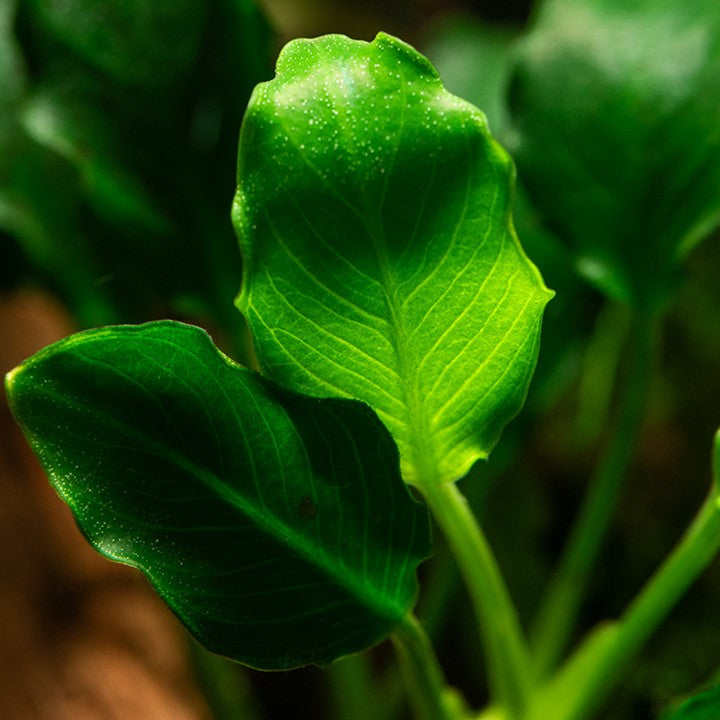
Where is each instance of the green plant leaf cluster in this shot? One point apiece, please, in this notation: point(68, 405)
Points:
point(617, 136)
point(380, 261)
point(119, 128)
point(380, 264)
point(374, 212)
point(276, 526)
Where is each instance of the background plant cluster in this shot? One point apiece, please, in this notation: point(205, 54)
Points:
point(118, 141)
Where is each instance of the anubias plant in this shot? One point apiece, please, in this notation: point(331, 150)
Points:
point(396, 322)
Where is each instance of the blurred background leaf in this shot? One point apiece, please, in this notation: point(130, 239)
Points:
point(616, 119)
point(129, 111)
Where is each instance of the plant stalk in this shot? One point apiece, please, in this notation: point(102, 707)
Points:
point(599, 372)
point(355, 691)
point(559, 609)
point(427, 689)
point(225, 685)
point(591, 672)
point(505, 648)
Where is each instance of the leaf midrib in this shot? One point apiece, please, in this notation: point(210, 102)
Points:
point(268, 522)
point(423, 457)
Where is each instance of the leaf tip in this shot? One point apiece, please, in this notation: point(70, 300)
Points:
point(10, 378)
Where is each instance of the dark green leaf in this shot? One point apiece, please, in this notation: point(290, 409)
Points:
point(380, 260)
point(73, 119)
point(12, 71)
point(165, 34)
point(276, 526)
point(703, 706)
point(617, 111)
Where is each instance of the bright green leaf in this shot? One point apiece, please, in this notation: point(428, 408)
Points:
point(380, 260)
point(617, 113)
point(703, 706)
point(276, 526)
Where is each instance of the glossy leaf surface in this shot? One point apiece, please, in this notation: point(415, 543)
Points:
point(380, 261)
point(617, 118)
point(276, 526)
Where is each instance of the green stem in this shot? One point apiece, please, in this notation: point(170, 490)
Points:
point(559, 609)
point(502, 638)
point(427, 690)
point(603, 659)
point(599, 372)
point(225, 685)
point(439, 584)
point(356, 693)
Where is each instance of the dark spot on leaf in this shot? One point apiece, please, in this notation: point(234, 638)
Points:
point(307, 509)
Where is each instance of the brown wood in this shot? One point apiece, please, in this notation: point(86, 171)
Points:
point(81, 638)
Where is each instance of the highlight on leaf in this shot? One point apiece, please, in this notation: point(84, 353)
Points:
point(380, 259)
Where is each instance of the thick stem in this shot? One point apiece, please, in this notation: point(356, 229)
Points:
point(600, 663)
point(559, 609)
point(504, 645)
point(427, 690)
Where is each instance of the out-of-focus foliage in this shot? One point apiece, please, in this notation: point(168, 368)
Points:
point(704, 706)
point(118, 143)
point(616, 108)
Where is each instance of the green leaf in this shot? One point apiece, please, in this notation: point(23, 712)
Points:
point(277, 527)
point(702, 706)
point(12, 70)
point(103, 33)
point(617, 118)
point(72, 118)
point(380, 262)
point(474, 60)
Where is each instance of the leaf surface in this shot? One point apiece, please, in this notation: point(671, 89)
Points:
point(616, 108)
point(704, 705)
point(380, 260)
point(276, 526)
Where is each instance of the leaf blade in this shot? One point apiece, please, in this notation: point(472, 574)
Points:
point(373, 216)
point(703, 705)
point(248, 508)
